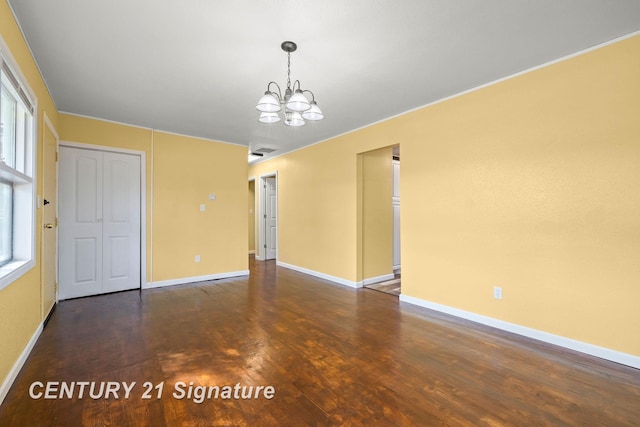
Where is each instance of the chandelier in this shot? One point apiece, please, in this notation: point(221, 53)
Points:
point(297, 106)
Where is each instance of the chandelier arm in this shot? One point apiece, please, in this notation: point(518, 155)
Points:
point(294, 85)
point(313, 98)
point(278, 93)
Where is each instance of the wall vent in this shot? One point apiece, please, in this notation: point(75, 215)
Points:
point(264, 150)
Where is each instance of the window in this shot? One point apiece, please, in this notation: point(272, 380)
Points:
point(6, 222)
point(17, 189)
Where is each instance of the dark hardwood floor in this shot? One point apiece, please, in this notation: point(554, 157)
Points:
point(335, 357)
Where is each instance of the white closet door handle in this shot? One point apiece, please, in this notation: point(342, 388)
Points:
point(99, 220)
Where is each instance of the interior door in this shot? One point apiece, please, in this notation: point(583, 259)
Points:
point(80, 222)
point(271, 220)
point(50, 221)
point(396, 215)
point(99, 222)
point(121, 222)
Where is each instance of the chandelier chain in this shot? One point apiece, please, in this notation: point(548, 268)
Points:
point(288, 70)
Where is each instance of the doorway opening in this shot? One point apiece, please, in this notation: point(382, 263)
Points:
point(252, 216)
point(102, 220)
point(268, 218)
point(379, 263)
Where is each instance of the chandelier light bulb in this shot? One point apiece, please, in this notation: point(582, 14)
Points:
point(270, 117)
point(313, 113)
point(298, 102)
point(268, 103)
point(293, 119)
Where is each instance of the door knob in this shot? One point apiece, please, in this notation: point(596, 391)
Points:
point(49, 225)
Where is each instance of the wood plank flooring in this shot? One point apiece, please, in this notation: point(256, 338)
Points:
point(388, 287)
point(335, 357)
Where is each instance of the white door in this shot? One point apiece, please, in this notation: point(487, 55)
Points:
point(271, 218)
point(99, 205)
point(121, 222)
point(396, 215)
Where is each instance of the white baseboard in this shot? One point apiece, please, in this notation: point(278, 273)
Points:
point(13, 373)
point(252, 252)
point(183, 280)
point(335, 279)
point(382, 278)
point(590, 349)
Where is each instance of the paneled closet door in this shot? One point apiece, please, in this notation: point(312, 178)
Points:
point(121, 222)
point(99, 194)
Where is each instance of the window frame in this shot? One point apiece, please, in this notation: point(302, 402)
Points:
point(22, 177)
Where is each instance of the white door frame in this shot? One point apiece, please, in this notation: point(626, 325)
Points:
point(262, 230)
point(49, 125)
point(255, 215)
point(143, 196)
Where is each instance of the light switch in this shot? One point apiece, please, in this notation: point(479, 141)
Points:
point(203, 207)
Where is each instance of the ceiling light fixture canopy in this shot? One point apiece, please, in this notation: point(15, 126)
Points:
point(297, 106)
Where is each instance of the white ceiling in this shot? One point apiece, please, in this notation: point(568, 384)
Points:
point(198, 67)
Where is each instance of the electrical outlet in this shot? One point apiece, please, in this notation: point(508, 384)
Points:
point(497, 292)
point(197, 258)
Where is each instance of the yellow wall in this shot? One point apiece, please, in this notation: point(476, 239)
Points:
point(317, 203)
point(181, 173)
point(529, 184)
point(20, 302)
point(375, 215)
point(532, 185)
point(186, 170)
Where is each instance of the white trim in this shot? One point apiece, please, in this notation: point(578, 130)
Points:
point(334, 279)
point(82, 145)
point(583, 347)
point(382, 278)
point(33, 57)
point(143, 218)
point(256, 218)
point(182, 281)
point(455, 95)
point(151, 203)
point(12, 271)
point(16, 69)
point(49, 125)
point(143, 195)
point(13, 373)
point(151, 129)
